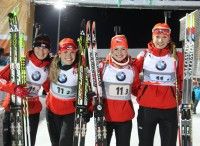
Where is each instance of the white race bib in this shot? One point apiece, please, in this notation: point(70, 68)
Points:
point(160, 78)
point(61, 90)
point(33, 89)
point(119, 90)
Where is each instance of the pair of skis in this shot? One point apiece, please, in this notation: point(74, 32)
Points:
point(80, 125)
point(88, 70)
point(96, 85)
point(186, 121)
point(20, 132)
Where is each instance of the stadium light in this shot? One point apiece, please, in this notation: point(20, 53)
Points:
point(59, 5)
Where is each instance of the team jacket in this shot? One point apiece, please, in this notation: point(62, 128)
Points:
point(61, 97)
point(118, 85)
point(37, 73)
point(160, 74)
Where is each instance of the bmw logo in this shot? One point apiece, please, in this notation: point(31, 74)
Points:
point(36, 76)
point(161, 65)
point(120, 76)
point(62, 78)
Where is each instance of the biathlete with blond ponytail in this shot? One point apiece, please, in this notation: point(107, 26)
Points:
point(62, 95)
point(162, 68)
point(120, 80)
point(60, 100)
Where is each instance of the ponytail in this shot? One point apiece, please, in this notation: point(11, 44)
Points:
point(172, 48)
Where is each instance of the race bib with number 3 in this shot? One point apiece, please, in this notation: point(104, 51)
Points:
point(119, 90)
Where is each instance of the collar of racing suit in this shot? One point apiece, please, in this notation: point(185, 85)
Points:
point(158, 52)
point(39, 63)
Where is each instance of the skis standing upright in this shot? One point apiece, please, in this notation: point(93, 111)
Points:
point(186, 122)
point(20, 133)
point(96, 85)
point(82, 97)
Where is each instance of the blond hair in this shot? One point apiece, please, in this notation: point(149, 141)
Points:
point(54, 69)
point(172, 48)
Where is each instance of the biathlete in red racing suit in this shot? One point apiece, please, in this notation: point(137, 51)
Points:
point(37, 63)
point(62, 95)
point(120, 81)
point(157, 94)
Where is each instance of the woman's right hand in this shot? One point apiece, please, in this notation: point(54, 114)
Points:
point(21, 91)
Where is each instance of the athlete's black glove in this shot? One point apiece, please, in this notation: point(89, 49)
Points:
point(86, 116)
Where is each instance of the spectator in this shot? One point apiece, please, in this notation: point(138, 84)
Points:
point(3, 59)
point(196, 90)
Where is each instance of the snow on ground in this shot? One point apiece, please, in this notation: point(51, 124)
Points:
point(43, 136)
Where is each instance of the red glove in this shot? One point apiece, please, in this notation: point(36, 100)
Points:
point(20, 91)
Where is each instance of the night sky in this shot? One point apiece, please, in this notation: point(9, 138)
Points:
point(136, 24)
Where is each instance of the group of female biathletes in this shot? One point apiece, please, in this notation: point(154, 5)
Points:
point(155, 91)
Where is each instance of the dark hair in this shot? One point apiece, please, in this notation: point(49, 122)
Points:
point(42, 40)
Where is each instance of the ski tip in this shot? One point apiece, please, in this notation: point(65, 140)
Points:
point(88, 22)
point(11, 15)
point(88, 25)
point(93, 24)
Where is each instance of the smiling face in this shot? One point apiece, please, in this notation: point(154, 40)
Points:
point(160, 41)
point(161, 35)
point(41, 52)
point(119, 53)
point(68, 56)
